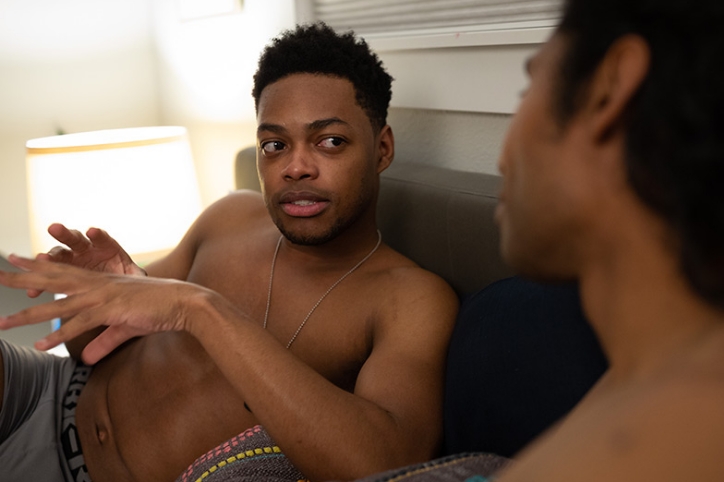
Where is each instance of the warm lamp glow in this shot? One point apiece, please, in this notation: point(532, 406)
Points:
point(138, 184)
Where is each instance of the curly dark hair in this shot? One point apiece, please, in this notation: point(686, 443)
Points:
point(674, 125)
point(318, 49)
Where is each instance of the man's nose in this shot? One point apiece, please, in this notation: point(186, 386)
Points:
point(301, 165)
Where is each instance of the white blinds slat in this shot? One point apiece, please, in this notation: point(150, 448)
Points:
point(371, 16)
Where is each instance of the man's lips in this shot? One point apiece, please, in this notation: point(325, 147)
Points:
point(303, 204)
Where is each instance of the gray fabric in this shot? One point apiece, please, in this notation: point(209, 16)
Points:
point(440, 218)
point(32, 415)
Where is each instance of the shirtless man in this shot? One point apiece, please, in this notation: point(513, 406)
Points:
point(334, 342)
point(613, 172)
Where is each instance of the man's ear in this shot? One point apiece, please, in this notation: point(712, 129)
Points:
point(616, 81)
point(386, 148)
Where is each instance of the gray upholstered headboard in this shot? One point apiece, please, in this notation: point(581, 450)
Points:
point(440, 218)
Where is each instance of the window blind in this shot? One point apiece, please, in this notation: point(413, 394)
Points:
point(396, 16)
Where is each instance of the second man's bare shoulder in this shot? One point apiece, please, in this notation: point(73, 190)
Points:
point(665, 425)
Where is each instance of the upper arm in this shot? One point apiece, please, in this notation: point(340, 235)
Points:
point(404, 373)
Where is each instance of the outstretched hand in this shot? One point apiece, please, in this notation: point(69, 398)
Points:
point(96, 251)
point(129, 306)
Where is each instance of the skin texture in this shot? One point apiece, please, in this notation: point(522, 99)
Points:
point(359, 391)
point(567, 211)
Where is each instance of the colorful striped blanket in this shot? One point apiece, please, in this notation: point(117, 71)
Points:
point(250, 456)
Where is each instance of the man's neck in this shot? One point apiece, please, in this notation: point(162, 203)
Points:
point(642, 308)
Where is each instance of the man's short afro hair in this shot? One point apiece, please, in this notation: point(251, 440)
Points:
point(318, 49)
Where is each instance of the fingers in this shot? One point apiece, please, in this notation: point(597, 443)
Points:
point(61, 308)
point(106, 342)
point(72, 238)
point(71, 328)
point(36, 293)
point(26, 265)
point(42, 264)
point(23, 281)
point(59, 254)
point(50, 341)
point(96, 250)
point(41, 275)
point(101, 239)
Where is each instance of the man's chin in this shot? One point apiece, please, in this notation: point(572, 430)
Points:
point(308, 239)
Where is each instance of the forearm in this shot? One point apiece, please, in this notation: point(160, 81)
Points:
point(328, 433)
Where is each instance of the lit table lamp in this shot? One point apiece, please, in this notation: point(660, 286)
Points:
point(138, 184)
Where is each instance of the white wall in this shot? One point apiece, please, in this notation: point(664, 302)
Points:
point(206, 67)
point(453, 95)
point(73, 65)
point(81, 65)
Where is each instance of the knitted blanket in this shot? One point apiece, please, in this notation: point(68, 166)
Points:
point(250, 456)
point(465, 467)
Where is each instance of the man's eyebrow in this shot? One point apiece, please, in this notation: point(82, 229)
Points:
point(275, 128)
point(322, 123)
point(312, 126)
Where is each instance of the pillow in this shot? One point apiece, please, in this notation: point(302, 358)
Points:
point(521, 356)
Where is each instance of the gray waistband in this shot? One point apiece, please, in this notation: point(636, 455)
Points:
point(71, 456)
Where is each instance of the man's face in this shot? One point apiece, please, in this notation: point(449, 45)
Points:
point(544, 177)
point(317, 157)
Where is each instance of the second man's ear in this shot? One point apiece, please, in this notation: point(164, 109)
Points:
point(616, 80)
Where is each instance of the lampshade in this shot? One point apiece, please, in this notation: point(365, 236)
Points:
point(138, 184)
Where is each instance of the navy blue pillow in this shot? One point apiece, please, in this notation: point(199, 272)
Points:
point(521, 356)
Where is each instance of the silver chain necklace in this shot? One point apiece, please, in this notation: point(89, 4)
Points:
point(271, 279)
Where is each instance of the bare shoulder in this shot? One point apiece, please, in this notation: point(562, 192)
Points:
point(684, 401)
point(238, 212)
point(405, 285)
point(235, 213)
point(243, 205)
point(665, 427)
point(415, 308)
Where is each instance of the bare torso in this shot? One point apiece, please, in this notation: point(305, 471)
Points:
point(157, 403)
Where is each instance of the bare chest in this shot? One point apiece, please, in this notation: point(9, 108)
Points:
point(326, 319)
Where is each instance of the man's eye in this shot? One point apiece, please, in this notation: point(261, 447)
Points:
point(272, 147)
point(330, 142)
